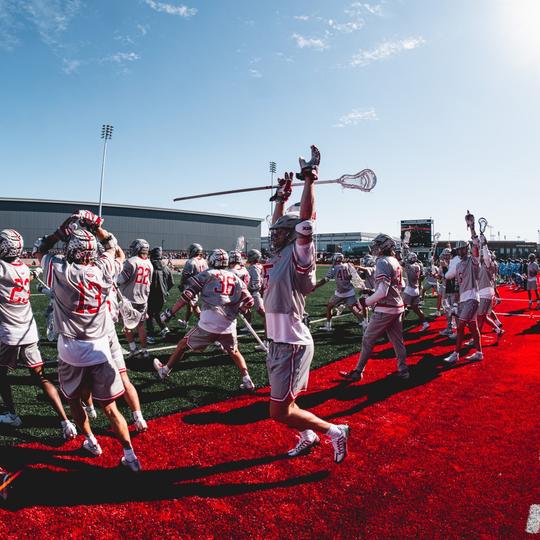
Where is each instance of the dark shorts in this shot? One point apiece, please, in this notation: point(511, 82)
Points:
point(29, 355)
point(409, 300)
point(467, 310)
point(288, 369)
point(102, 381)
point(485, 306)
point(198, 339)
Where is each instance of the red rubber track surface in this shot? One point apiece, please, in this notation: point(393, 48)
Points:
point(453, 452)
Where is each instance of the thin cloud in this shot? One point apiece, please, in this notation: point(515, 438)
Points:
point(51, 18)
point(255, 74)
point(170, 9)
point(121, 58)
point(346, 28)
point(355, 117)
point(143, 29)
point(70, 66)
point(301, 17)
point(309, 43)
point(385, 50)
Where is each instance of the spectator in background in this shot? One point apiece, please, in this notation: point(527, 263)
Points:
point(161, 284)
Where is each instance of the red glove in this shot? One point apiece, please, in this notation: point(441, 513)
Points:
point(284, 189)
point(64, 231)
point(88, 220)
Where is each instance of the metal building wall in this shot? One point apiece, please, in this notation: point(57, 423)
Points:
point(173, 230)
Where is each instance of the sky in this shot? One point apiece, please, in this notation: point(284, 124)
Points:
point(440, 99)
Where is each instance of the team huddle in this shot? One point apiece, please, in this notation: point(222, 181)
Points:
point(93, 285)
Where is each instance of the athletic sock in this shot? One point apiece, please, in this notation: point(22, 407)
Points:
point(308, 434)
point(137, 415)
point(91, 438)
point(132, 346)
point(333, 431)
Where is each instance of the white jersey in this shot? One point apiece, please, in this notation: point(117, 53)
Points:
point(80, 295)
point(342, 273)
point(135, 279)
point(17, 324)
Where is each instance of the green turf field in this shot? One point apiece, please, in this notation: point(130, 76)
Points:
point(200, 379)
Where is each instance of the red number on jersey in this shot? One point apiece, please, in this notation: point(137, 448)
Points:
point(20, 292)
point(266, 274)
point(226, 285)
point(143, 275)
point(87, 302)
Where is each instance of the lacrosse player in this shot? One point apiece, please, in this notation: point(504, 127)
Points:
point(289, 276)
point(18, 332)
point(193, 266)
point(134, 282)
point(161, 284)
point(81, 281)
point(450, 293)
point(388, 309)
point(467, 272)
point(486, 288)
point(342, 272)
point(532, 280)
point(224, 295)
point(255, 271)
point(411, 293)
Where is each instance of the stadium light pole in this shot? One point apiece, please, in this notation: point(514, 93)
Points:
point(106, 134)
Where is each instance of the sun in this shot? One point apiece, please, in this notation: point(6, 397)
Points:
point(520, 24)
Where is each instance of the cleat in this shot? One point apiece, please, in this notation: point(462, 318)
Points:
point(405, 375)
point(499, 332)
point(140, 425)
point(243, 331)
point(164, 332)
point(183, 324)
point(69, 430)
point(162, 371)
point(452, 359)
point(10, 419)
point(90, 411)
point(91, 447)
point(134, 354)
point(151, 340)
point(304, 445)
point(133, 465)
point(445, 332)
point(353, 375)
point(477, 356)
point(453, 335)
point(425, 326)
point(340, 443)
point(327, 327)
point(437, 314)
point(145, 354)
point(247, 384)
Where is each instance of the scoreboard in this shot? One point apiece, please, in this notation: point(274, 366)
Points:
point(421, 232)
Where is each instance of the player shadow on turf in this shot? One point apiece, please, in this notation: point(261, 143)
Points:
point(75, 483)
point(429, 368)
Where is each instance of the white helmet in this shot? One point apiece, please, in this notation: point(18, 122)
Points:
point(381, 243)
point(446, 252)
point(11, 244)
point(338, 257)
point(286, 222)
point(412, 257)
point(235, 257)
point(139, 247)
point(254, 255)
point(219, 258)
point(194, 250)
point(81, 246)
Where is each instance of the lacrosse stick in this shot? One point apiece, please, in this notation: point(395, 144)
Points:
point(364, 180)
point(356, 280)
point(253, 333)
point(469, 220)
point(436, 237)
point(482, 224)
point(130, 316)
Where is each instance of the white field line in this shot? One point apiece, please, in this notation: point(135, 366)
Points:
point(533, 523)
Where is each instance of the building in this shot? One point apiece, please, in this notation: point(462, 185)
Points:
point(346, 242)
point(171, 229)
point(504, 249)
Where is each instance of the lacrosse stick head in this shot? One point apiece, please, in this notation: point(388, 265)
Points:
point(130, 316)
point(482, 224)
point(365, 180)
point(406, 238)
point(436, 237)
